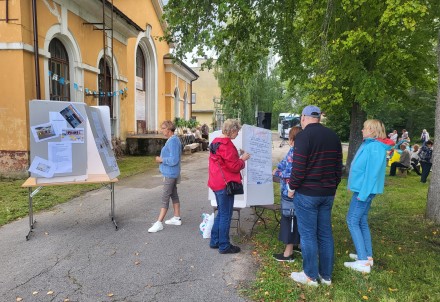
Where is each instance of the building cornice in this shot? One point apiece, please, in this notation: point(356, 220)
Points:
point(179, 68)
point(158, 7)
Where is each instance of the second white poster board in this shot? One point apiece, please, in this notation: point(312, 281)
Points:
point(257, 175)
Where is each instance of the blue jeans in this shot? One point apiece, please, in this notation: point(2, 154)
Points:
point(222, 222)
point(357, 221)
point(315, 228)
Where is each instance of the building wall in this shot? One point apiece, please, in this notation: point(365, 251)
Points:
point(64, 19)
point(206, 89)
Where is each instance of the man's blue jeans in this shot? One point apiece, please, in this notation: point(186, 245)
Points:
point(315, 228)
point(222, 222)
point(357, 221)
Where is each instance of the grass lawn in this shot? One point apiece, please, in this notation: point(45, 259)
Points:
point(406, 253)
point(14, 202)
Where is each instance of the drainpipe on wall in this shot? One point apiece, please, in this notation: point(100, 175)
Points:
point(36, 54)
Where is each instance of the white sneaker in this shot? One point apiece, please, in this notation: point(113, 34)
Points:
point(355, 257)
point(362, 266)
point(323, 281)
point(174, 221)
point(302, 278)
point(157, 226)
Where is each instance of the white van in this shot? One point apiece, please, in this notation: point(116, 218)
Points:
point(287, 121)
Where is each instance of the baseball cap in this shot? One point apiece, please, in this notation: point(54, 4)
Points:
point(312, 111)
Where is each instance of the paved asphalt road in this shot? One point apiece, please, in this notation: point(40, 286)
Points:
point(75, 253)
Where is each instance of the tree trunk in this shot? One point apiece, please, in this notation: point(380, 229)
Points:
point(357, 119)
point(433, 204)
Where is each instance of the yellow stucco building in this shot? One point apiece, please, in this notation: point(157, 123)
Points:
point(206, 97)
point(128, 68)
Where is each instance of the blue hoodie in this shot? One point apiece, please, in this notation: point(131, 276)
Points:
point(170, 154)
point(367, 172)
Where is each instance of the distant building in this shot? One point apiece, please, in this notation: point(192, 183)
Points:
point(124, 67)
point(206, 97)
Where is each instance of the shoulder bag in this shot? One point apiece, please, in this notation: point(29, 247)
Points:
point(232, 187)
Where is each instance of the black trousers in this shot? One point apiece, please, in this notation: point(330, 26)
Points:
point(394, 167)
point(426, 168)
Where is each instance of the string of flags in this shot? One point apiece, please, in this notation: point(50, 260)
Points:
point(63, 81)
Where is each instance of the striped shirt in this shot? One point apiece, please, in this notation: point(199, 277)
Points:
point(317, 161)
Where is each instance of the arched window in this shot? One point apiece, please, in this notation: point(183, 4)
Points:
point(140, 69)
point(59, 71)
point(105, 85)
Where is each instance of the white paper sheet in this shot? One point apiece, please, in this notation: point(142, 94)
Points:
point(42, 167)
point(61, 155)
point(58, 122)
point(258, 143)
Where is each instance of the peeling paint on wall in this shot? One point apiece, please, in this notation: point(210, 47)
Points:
point(13, 164)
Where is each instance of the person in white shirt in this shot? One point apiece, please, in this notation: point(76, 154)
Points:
point(424, 137)
point(415, 159)
point(393, 136)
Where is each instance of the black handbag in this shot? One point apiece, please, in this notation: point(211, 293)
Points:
point(234, 188)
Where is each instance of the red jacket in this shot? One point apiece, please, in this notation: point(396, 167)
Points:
point(222, 153)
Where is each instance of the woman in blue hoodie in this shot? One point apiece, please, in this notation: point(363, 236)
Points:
point(366, 179)
point(169, 161)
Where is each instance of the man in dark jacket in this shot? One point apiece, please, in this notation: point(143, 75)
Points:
point(316, 173)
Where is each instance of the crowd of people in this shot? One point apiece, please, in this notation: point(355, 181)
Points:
point(412, 157)
point(309, 176)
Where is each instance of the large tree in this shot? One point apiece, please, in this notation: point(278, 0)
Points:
point(349, 56)
point(433, 205)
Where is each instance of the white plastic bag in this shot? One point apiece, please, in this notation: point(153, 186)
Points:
point(206, 225)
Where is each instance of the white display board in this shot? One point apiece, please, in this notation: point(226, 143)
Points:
point(69, 142)
point(257, 175)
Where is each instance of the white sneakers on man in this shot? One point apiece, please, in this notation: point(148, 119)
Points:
point(362, 266)
point(157, 226)
point(302, 278)
point(324, 281)
point(355, 257)
point(174, 221)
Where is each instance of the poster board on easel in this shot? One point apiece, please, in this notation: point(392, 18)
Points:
point(63, 143)
point(257, 175)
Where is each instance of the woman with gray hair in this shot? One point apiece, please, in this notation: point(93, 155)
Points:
point(225, 165)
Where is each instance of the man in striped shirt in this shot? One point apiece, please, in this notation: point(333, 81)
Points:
point(316, 173)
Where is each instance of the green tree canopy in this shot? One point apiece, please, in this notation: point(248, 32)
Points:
point(350, 56)
point(244, 95)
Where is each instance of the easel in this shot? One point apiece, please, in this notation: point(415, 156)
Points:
point(92, 161)
point(31, 183)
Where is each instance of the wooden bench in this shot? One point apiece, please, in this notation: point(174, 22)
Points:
point(191, 148)
point(402, 172)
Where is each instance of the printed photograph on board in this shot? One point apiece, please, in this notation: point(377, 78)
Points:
point(43, 132)
point(72, 116)
point(74, 136)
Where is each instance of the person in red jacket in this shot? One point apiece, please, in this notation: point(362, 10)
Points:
point(225, 165)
